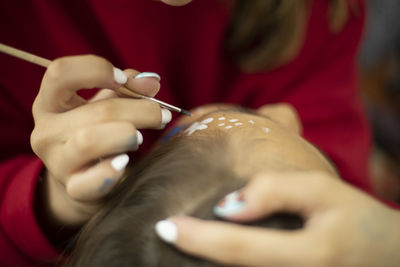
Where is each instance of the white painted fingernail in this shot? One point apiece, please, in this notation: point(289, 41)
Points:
point(167, 231)
point(166, 116)
point(119, 162)
point(231, 204)
point(120, 76)
point(139, 137)
point(148, 75)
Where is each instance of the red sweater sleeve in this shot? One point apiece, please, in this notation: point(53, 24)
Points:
point(21, 239)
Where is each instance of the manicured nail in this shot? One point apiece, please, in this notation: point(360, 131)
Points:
point(167, 231)
point(148, 75)
point(119, 162)
point(120, 76)
point(166, 116)
point(139, 137)
point(231, 204)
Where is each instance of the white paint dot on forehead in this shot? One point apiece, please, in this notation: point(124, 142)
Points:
point(228, 127)
point(233, 120)
point(208, 120)
point(221, 118)
point(251, 122)
point(267, 130)
point(238, 123)
point(221, 124)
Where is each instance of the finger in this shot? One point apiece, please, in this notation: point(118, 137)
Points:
point(96, 181)
point(103, 94)
point(232, 244)
point(140, 112)
point(145, 83)
point(295, 192)
point(65, 76)
point(96, 141)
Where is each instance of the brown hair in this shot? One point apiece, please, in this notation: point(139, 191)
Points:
point(187, 175)
point(264, 34)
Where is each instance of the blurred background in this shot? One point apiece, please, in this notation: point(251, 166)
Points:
point(380, 64)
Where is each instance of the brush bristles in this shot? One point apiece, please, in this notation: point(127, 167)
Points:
point(185, 112)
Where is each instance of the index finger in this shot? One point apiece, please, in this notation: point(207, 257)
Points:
point(238, 245)
point(66, 75)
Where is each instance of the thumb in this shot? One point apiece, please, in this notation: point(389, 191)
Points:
point(301, 193)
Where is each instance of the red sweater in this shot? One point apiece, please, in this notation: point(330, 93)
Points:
point(183, 45)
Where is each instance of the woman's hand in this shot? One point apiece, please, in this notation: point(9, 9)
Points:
point(83, 143)
point(343, 226)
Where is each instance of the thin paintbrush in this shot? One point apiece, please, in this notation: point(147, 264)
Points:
point(45, 63)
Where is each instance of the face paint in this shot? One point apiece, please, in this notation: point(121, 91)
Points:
point(221, 118)
point(238, 123)
point(221, 124)
point(228, 127)
point(266, 130)
point(251, 122)
point(206, 121)
point(233, 120)
point(195, 127)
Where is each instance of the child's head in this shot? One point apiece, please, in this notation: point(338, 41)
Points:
point(188, 175)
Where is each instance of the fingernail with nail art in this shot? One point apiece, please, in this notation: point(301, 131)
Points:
point(148, 75)
point(120, 76)
point(119, 162)
point(167, 231)
point(231, 204)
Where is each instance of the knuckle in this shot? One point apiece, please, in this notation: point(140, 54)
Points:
point(57, 67)
point(103, 111)
point(41, 140)
point(70, 188)
point(37, 141)
point(83, 141)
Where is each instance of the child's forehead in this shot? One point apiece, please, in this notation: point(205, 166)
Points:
point(228, 120)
